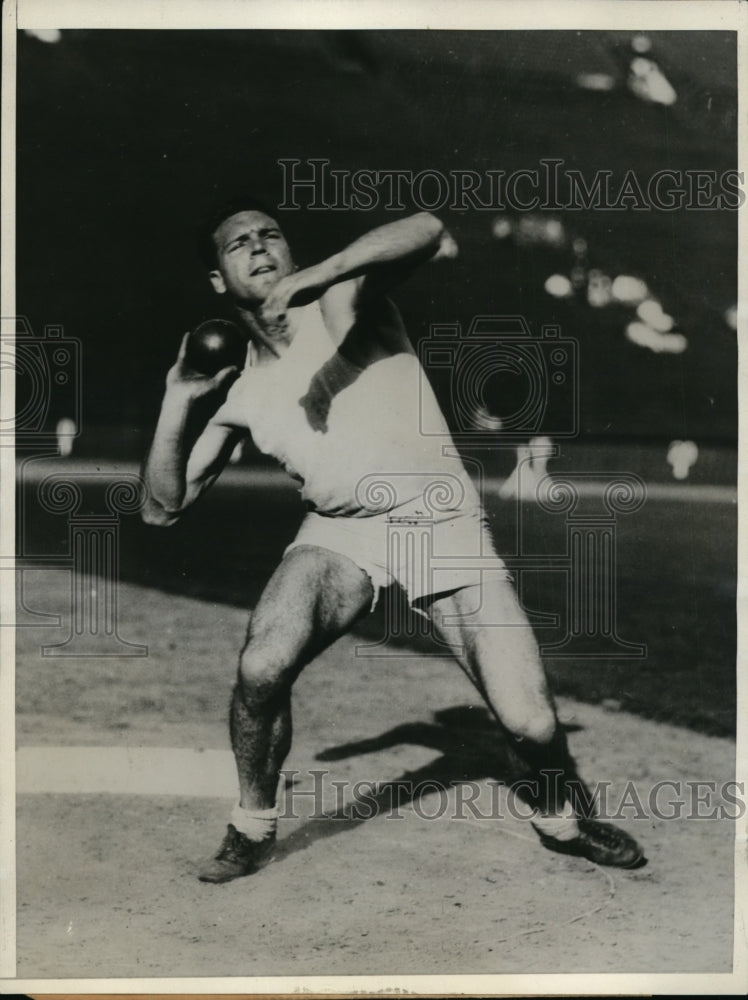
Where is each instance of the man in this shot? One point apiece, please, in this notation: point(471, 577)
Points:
point(331, 389)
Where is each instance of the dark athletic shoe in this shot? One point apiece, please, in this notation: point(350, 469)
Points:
point(237, 856)
point(599, 842)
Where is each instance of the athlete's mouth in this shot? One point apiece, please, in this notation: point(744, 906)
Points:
point(263, 269)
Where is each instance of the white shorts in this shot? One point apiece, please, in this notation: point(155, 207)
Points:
point(425, 555)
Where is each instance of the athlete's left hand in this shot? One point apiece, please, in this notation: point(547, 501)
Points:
point(297, 289)
point(274, 311)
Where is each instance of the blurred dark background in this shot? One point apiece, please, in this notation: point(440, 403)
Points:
point(126, 137)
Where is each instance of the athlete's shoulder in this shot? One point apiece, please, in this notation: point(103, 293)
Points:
point(346, 304)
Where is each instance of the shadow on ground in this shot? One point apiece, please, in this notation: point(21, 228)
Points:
point(472, 749)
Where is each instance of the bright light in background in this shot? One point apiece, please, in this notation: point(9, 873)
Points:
point(559, 286)
point(50, 35)
point(502, 228)
point(731, 317)
point(641, 44)
point(530, 230)
point(628, 289)
point(648, 82)
point(66, 431)
point(530, 475)
point(652, 314)
point(681, 456)
point(595, 81)
point(643, 335)
point(535, 230)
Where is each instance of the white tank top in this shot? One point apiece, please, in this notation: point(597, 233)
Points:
point(351, 436)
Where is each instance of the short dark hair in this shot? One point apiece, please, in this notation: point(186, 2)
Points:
point(206, 247)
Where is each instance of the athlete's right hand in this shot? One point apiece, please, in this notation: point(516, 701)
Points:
point(193, 385)
point(194, 395)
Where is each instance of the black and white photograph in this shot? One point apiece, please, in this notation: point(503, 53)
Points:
point(369, 450)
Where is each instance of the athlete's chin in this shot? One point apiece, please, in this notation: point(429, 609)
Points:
point(254, 296)
point(262, 285)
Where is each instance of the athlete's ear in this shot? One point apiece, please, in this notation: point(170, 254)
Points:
point(216, 280)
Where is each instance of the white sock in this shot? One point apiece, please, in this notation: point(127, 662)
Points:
point(258, 824)
point(255, 824)
point(560, 826)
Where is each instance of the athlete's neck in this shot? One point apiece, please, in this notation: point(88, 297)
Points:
point(268, 339)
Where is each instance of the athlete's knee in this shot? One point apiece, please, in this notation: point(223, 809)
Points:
point(535, 723)
point(263, 672)
point(538, 726)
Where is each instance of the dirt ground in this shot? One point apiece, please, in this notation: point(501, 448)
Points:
point(106, 882)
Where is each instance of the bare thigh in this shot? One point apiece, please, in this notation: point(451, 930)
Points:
point(312, 598)
point(495, 645)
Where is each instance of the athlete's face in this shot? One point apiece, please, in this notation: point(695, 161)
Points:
point(252, 256)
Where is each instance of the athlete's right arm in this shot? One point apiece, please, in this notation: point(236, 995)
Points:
point(192, 442)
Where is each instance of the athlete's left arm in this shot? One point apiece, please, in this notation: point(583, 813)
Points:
point(379, 259)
